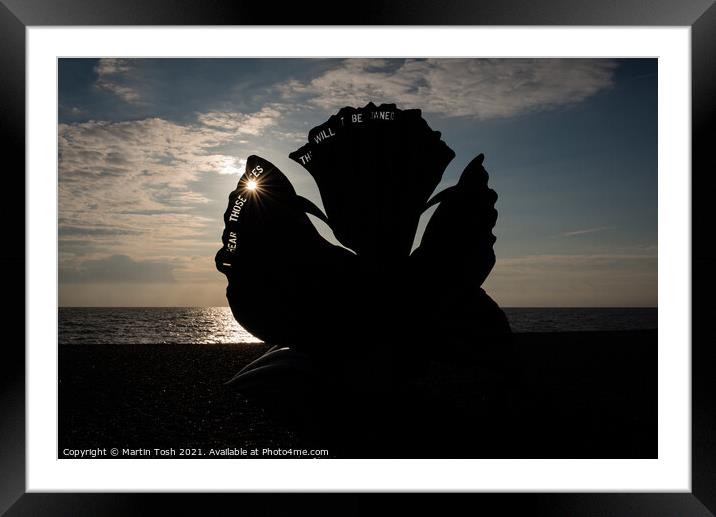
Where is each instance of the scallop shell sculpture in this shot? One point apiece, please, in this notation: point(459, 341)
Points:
point(376, 168)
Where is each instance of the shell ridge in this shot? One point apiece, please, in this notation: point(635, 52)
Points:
point(375, 167)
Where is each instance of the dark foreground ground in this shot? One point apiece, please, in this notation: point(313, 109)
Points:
point(568, 395)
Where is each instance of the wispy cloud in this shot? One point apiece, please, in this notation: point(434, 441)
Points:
point(130, 187)
point(480, 88)
point(113, 76)
point(241, 123)
point(583, 232)
point(73, 111)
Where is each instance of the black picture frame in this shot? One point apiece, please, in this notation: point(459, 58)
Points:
point(700, 15)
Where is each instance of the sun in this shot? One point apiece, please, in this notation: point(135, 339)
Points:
point(251, 184)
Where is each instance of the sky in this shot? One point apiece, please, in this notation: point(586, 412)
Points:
point(149, 150)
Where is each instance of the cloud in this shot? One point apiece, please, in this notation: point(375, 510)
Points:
point(108, 169)
point(232, 166)
point(134, 188)
point(137, 166)
point(117, 268)
point(480, 88)
point(113, 76)
point(241, 123)
point(72, 111)
point(583, 232)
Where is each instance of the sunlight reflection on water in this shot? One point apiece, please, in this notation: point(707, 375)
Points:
point(127, 325)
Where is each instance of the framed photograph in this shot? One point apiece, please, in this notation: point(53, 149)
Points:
point(386, 257)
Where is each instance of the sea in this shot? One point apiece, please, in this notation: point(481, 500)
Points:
point(212, 325)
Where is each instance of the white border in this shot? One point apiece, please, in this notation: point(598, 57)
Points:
point(670, 472)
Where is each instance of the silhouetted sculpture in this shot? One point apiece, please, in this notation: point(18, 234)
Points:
point(283, 276)
point(455, 257)
point(371, 305)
